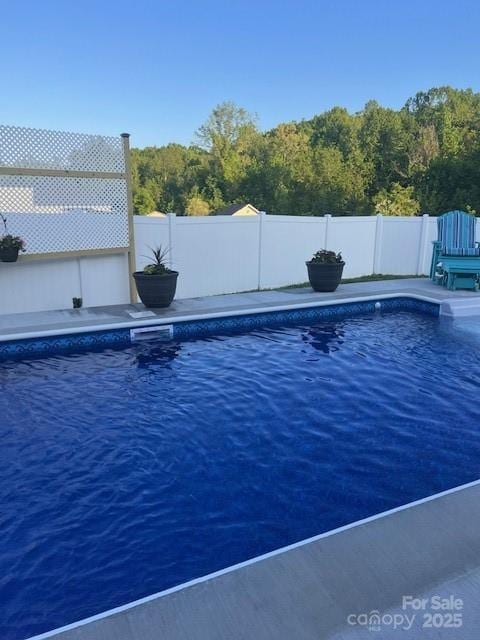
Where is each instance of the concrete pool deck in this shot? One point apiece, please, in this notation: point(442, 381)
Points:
point(44, 323)
point(323, 587)
point(306, 591)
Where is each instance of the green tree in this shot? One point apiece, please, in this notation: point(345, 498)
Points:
point(423, 156)
point(454, 113)
point(197, 206)
point(396, 201)
point(225, 127)
point(385, 139)
point(229, 135)
point(143, 201)
point(452, 183)
point(336, 128)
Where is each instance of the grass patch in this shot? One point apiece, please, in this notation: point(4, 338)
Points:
point(372, 278)
point(377, 276)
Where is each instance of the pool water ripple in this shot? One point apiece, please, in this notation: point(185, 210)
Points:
point(125, 472)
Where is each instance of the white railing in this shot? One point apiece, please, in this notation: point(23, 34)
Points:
point(225, 254)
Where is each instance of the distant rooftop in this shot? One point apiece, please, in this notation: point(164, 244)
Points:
point(238, 209)
point(156, 214)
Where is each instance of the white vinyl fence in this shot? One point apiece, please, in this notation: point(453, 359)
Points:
point(225, 254)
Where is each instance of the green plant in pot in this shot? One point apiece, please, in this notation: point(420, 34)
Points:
point(325, 270)
point(156, 284)
point(10, 245)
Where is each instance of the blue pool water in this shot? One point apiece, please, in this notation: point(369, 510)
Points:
point(124, 472)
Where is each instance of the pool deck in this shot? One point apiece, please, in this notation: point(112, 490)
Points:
point(306, 591)
point(44, 323)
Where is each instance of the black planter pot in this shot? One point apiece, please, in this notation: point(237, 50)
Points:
point(156, 290)
point(9, 255)
point(325, 276)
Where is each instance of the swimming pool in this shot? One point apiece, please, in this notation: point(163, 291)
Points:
point(127, 470)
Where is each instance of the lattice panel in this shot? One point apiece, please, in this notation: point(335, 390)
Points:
point(45, 149)
point(58, 214)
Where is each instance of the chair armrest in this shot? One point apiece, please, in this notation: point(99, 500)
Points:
point(437, 243)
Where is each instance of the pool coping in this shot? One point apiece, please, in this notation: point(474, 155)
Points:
point(123, 333)
point(380, 519)
point(224, 313)
point(88, 319)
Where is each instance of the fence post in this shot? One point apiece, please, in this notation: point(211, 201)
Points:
point(327, 217)
point(131, 238)
point(377, 249)
point(422, 248)
point(261, 218)
point(172, 218)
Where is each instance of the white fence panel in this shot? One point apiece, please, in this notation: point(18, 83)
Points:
point(400, 245)
point(150, 233)
point(225, 254)
point(104, 280)
point(24, 285)
point(287, 242)
point(51, 284)
point(354, 237)
point(215, 254)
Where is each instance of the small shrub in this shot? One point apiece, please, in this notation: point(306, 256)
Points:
point(326, 257)
point(7, 241)
point(158, 266)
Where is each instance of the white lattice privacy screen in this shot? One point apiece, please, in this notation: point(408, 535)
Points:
point(44, 149)
point(64, 192)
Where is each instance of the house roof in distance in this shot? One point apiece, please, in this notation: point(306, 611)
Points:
point(237, 209)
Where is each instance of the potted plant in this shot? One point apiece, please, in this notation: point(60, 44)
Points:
point(156, 284)
point(10, 245)
point(325, 270)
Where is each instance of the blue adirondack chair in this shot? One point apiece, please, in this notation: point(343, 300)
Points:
point(456, 255)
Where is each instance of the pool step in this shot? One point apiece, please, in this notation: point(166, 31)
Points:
point(461, 307)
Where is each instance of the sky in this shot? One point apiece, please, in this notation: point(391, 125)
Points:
point(157, 68)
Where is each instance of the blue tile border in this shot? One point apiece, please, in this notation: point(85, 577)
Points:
point(79, 342)
point(212, 326)
point(71, 343)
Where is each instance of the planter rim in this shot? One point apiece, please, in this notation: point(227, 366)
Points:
point(326, 264)
point(140, 274)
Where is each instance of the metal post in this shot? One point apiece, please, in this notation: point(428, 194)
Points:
point(131, 237)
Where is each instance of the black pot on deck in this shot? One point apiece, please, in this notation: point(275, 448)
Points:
point(325, 276)
point(156, 290)
point(9, 255)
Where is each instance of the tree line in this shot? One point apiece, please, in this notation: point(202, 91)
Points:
point(422, 158)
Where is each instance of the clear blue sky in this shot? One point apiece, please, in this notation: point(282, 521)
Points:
point(157, 68)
